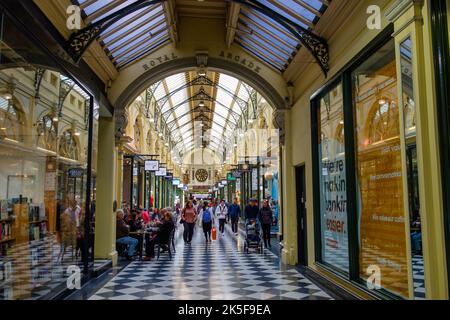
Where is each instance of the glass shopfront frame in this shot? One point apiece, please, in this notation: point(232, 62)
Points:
point(354, 205)
point(440, 25)
point(63, 181)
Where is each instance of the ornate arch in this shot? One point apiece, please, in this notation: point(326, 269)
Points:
point(164, 70)
point(68, 145)
point(12, 119)
point(383, 121)
point(47, 133)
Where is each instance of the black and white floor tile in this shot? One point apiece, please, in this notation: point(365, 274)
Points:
point(418, 277)
point(217, 271)
point(37, 269)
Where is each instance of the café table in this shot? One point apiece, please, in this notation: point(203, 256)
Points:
point(141, 234)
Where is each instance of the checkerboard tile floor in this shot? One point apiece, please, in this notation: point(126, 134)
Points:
point(38, 270)
point(418, 277)
point(217, 271)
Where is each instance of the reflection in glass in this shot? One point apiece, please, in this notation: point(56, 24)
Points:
point(333, 184)
point(379, 171)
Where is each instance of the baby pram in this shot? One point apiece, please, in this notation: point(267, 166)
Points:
point(253, 238)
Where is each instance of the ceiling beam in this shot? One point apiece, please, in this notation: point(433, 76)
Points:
point(170, 13)
point(234, 10)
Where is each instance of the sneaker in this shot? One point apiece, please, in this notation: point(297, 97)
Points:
point(147, 258)
point(130, 258)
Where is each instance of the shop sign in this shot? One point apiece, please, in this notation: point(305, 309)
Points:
point(254, 179)
point(162, 172)
point(151, 165)
point(176, 182)
point(75, 173)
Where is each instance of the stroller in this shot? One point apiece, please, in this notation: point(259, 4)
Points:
point(253, 236)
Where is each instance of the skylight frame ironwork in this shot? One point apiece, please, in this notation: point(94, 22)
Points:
point(262, 21)
point(112, 21)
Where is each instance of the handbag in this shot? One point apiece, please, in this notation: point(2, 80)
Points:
point(182, 220)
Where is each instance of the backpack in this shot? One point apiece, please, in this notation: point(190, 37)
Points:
point(207, 216)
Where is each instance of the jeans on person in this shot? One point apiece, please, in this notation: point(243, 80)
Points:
point(234, 225)
point(416, 238)
point(188, 231)
point(207, 226)
point(130, 242)
point(266, 234)
point(222, 225)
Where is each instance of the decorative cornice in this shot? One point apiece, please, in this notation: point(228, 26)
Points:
point(400, 7)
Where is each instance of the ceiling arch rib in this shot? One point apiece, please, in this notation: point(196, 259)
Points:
point(215, 106)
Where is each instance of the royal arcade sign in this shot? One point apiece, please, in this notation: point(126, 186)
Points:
point(153, 62)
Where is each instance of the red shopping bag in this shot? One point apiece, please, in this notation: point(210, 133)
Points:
point(214, 233)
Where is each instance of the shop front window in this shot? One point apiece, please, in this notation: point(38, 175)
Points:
point(333, 184)
point(381, 218)
point(43, 174)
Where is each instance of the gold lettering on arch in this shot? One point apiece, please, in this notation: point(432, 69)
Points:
point(155, 61)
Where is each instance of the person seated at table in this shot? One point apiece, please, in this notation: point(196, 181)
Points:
point(162, 236)
point(145, 216)
point(122, 235)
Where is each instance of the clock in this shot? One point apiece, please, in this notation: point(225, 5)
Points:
point(201, 175)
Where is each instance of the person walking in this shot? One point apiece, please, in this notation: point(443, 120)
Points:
point(207, 221)
point(251, 210)
point(188, 217)
point(221, 213)
point(265, 217)
point(234, 212)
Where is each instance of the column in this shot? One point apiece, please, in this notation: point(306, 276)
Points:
point(105, 218)
point(289, 253)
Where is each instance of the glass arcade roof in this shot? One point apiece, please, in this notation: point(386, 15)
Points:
point(210, 107)
point(131, 37)
point(268, 39)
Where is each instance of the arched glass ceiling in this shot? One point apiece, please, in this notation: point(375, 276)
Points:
point(131, 37)
point(268, 39)
point(216, 103)
point(145, 30)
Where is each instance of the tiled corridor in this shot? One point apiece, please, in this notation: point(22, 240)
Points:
point(217, 271)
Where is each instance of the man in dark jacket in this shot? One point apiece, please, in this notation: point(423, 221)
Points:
point(251, 210)
point(265, 217)
point(122, 235)
point(234, 212)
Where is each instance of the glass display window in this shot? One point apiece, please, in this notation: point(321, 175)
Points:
point(381, 219)
point(333, 184)
point(44, 178)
